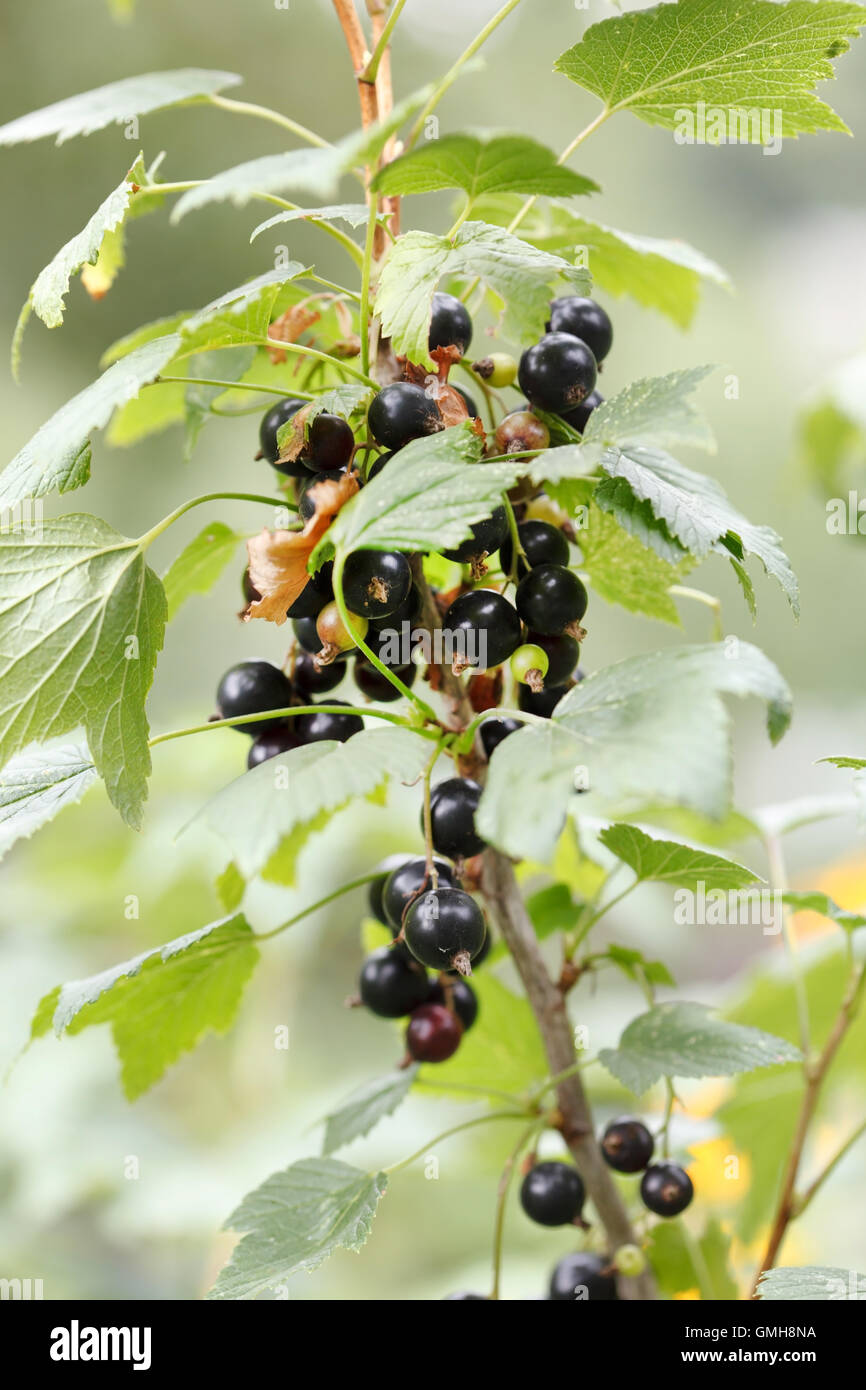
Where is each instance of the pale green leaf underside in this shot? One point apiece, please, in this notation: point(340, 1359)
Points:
point(38, 784)
point(294, 1221)
point(199, 565)
point(355, 214)
point(811, 1284)
point(480, 167)
point(654, 411)
point(665, 861)
point(363, 1110)
point(759, 56)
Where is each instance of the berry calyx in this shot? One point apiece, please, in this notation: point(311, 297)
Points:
point(521, 432)
point(529, 666)
point(562, 652)
point(484, 629)
point(542, 544)
point(551, 599)
point(579, 417)
point(450, 324)
point(313, 728)
point(330, 443)
point(407, 612)
point(557, 373)
point(433, 1034)
point(453, 804)
point(487, 536)
point(403, 412)
point(458, 996)
point(498, 370)
point(405, 884)
point(585, 320)
point(249, 687)
point(552, 1194)
point(309, 679)
point(581, 1278)
point(666, 1189)
point(375, 686)
point(272, 421)
point(281, 739)
point(493, 731)
point(376, 582)
point(445, 928)
point(392, 984)
point(335, 636)
point(630, 1260)
point(627, 1145)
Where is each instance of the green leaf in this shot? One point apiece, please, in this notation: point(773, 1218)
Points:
point(833, 435)
point(363, 1110)
point(811, 1284)
point(635, 966)
point(162, 1003)
point(654, 410)
point(480, 166)
point(57, 459)
point(553, 909)
point(650, 729)
point(502, 1049)
point(241, 315)
point(665, 861)
point(81, 622)
point(294, 1221)
point(430, 501)
point(198, 397)
point(765, 57)
point(154, 410)
point(266, 817)
point(355, 214)
point(622, 570)
point(518, 273)
point(852, 764)
point(158, 328)
point(823, 904)
point(36, 785)
point(199, 565)
point(116, 103)
point(682, 1262)
point(684, 1039)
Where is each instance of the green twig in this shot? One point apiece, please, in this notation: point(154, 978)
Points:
point(359, 882)
point(264, 113)
point(455, 1129)
point(150, 536)
point(371, 71)
point(289, 712)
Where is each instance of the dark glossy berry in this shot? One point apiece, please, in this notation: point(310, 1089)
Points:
point(471, 403)
point(306, 498)
point(377, 886)
point(493, 731)
point(433, 1034)
point(484, 628)
point(405, 884)
point(378, 464)
point(552, 1194)
point(579, 417)
point(403, 412)
point(487, 536)
point(306, 634)
point(476, 960)
point(585, 320)
point(542, 543)
point(312, 599)
point(375, 686)
point(562, 653)
point(310, 679)
point(445, 929)
point(582, 1277)
point(459, 996)
point(557, 373)
point(280, 739)
point(521, 432)
point(542, 703)
point(249, 687)
point(330, 442)
point(251, 593)
point(450, 324)
point(376, 582)
point(550, 598)
point(407, 612)
point(392, 984)
point(271, 422)
point(453, 804)
point(627, 1145)
point(666, 1189)
point(312, 728)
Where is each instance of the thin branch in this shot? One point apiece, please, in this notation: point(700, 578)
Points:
point(356, 42)
point(815, 1186)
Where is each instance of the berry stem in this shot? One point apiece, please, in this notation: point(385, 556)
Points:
point(264, 113)
point(517, 551)
point(289, 712)
point(353, 883)
point(447, 1133)
point(430, 864)
point(582, 931)
point(502, 1199)
point(304, 350)
point(150, 536)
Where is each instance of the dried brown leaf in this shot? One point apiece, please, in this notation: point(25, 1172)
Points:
point(278, 559)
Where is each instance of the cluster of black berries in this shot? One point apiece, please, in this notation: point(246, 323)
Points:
point(252, 687)
point(439, 928)
point(665, 1188)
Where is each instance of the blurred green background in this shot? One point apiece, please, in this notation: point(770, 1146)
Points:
point(790, 232)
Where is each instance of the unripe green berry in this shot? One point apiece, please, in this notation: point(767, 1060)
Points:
point(498, 370)
point(529, 665)
point(630, 1260)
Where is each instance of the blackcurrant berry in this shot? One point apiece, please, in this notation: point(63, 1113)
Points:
point(312, 728)
point(375, 686)
point(403, 412)
point(453, 804)
point(582, 1276)
point(521, 432)
point(562, 653)
point(334, 634)
point(378, 464)
point(585, 320)
point(281, 739)
point(627, 1145)
point(487, 536)
point(542, 544)
point(459, 996)
point(579, 417)
point(450, 324)
point(552, 1194)
point(306, 497)
point(471, 403)
point(476, 960)
point(330, 442)
point(251, 593)
point(484, 629)
point(666, 1189)
point(405, 884)
point(377, 886)
point(433, 1034)
point(306, 634)
point(277, 416)
point(445, 928)
point(392, 984)
point(493, 731)
point(376, 582)
point(529, 666)
point(550, 599)
point(543, 702)
point(319, 590)
point(407, 612)
point(249, 687)
point(310, 679)
point(557, 373)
